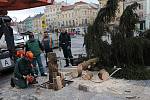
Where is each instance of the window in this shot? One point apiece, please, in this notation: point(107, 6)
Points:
point(66, 23)
point(141, 6)
point(73, 23)
point(86, 21)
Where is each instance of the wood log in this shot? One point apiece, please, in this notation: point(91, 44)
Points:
point(59, 83)
point(77, 72)
point(91, 62)
point(103, 75)
point(55, 86)
point(88, 75)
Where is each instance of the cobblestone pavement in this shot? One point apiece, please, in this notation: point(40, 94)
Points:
point(113, 89)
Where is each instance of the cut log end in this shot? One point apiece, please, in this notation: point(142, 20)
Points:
point(103, 74)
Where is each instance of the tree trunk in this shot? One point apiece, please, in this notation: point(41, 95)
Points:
point(88, 63)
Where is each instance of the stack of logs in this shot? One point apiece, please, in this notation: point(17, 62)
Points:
point(102, 74)
point(56, 79)
point(83, 66)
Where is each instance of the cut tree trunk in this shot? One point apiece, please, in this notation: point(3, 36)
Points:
point(103, 75)
point(88, 75)
point(88, 63)
point(83, 66)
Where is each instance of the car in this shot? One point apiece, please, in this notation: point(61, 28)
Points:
point(19, 40)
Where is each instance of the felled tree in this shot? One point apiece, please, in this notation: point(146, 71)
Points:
point(128, 51)
point(128, 20)
point(121, 50)
point(94, 45)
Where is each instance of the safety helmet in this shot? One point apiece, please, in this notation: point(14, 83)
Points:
point(20, 53)
point(29, 55)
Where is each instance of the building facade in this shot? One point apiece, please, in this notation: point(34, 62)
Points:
point(143, 11)
point(21, 27)
point(52, 12)
point(28, 24)
point(74, 18)
point(37, 23)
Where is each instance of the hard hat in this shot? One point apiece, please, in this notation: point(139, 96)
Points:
point(29, 55)
point(20, 53)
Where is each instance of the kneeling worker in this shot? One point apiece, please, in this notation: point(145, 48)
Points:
point(23, 72)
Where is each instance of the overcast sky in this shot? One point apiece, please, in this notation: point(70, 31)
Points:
point(20, 15)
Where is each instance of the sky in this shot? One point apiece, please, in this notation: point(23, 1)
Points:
point(20, 15)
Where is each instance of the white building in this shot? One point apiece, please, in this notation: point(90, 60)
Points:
point(143, 12)
point(51, 13)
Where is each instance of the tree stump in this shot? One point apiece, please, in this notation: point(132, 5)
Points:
point(103, 75)
point(52, 65)
point(56, 79)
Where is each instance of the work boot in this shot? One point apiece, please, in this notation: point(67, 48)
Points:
point(66, 65)
point(12, 83)
point(43, 74)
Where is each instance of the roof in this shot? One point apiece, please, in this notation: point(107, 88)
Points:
point(28, 18)
point(38, 16)
point(80, 2)
point(70, 7)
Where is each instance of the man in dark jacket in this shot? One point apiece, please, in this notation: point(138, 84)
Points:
point(35, 47)
point(23, 73)
point(7, 31)
point(65, 44)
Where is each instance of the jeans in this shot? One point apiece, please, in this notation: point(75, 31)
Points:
point(39, 61)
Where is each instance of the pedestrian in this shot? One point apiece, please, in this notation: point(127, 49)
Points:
point(47, 43)
point(23, 73)
point(36, 48)
point(65, 44)
point(5, 28)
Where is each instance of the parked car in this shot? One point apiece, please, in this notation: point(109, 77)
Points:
point(19, 40)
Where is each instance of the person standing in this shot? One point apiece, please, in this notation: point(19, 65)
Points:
point(35, 47)
point(23, 73)
point(47, 43)
point(65, 44)
point(5, 28)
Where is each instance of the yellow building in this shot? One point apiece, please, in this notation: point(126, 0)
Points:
point(44, 25)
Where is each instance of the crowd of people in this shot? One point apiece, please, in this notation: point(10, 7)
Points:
point(26, 69)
